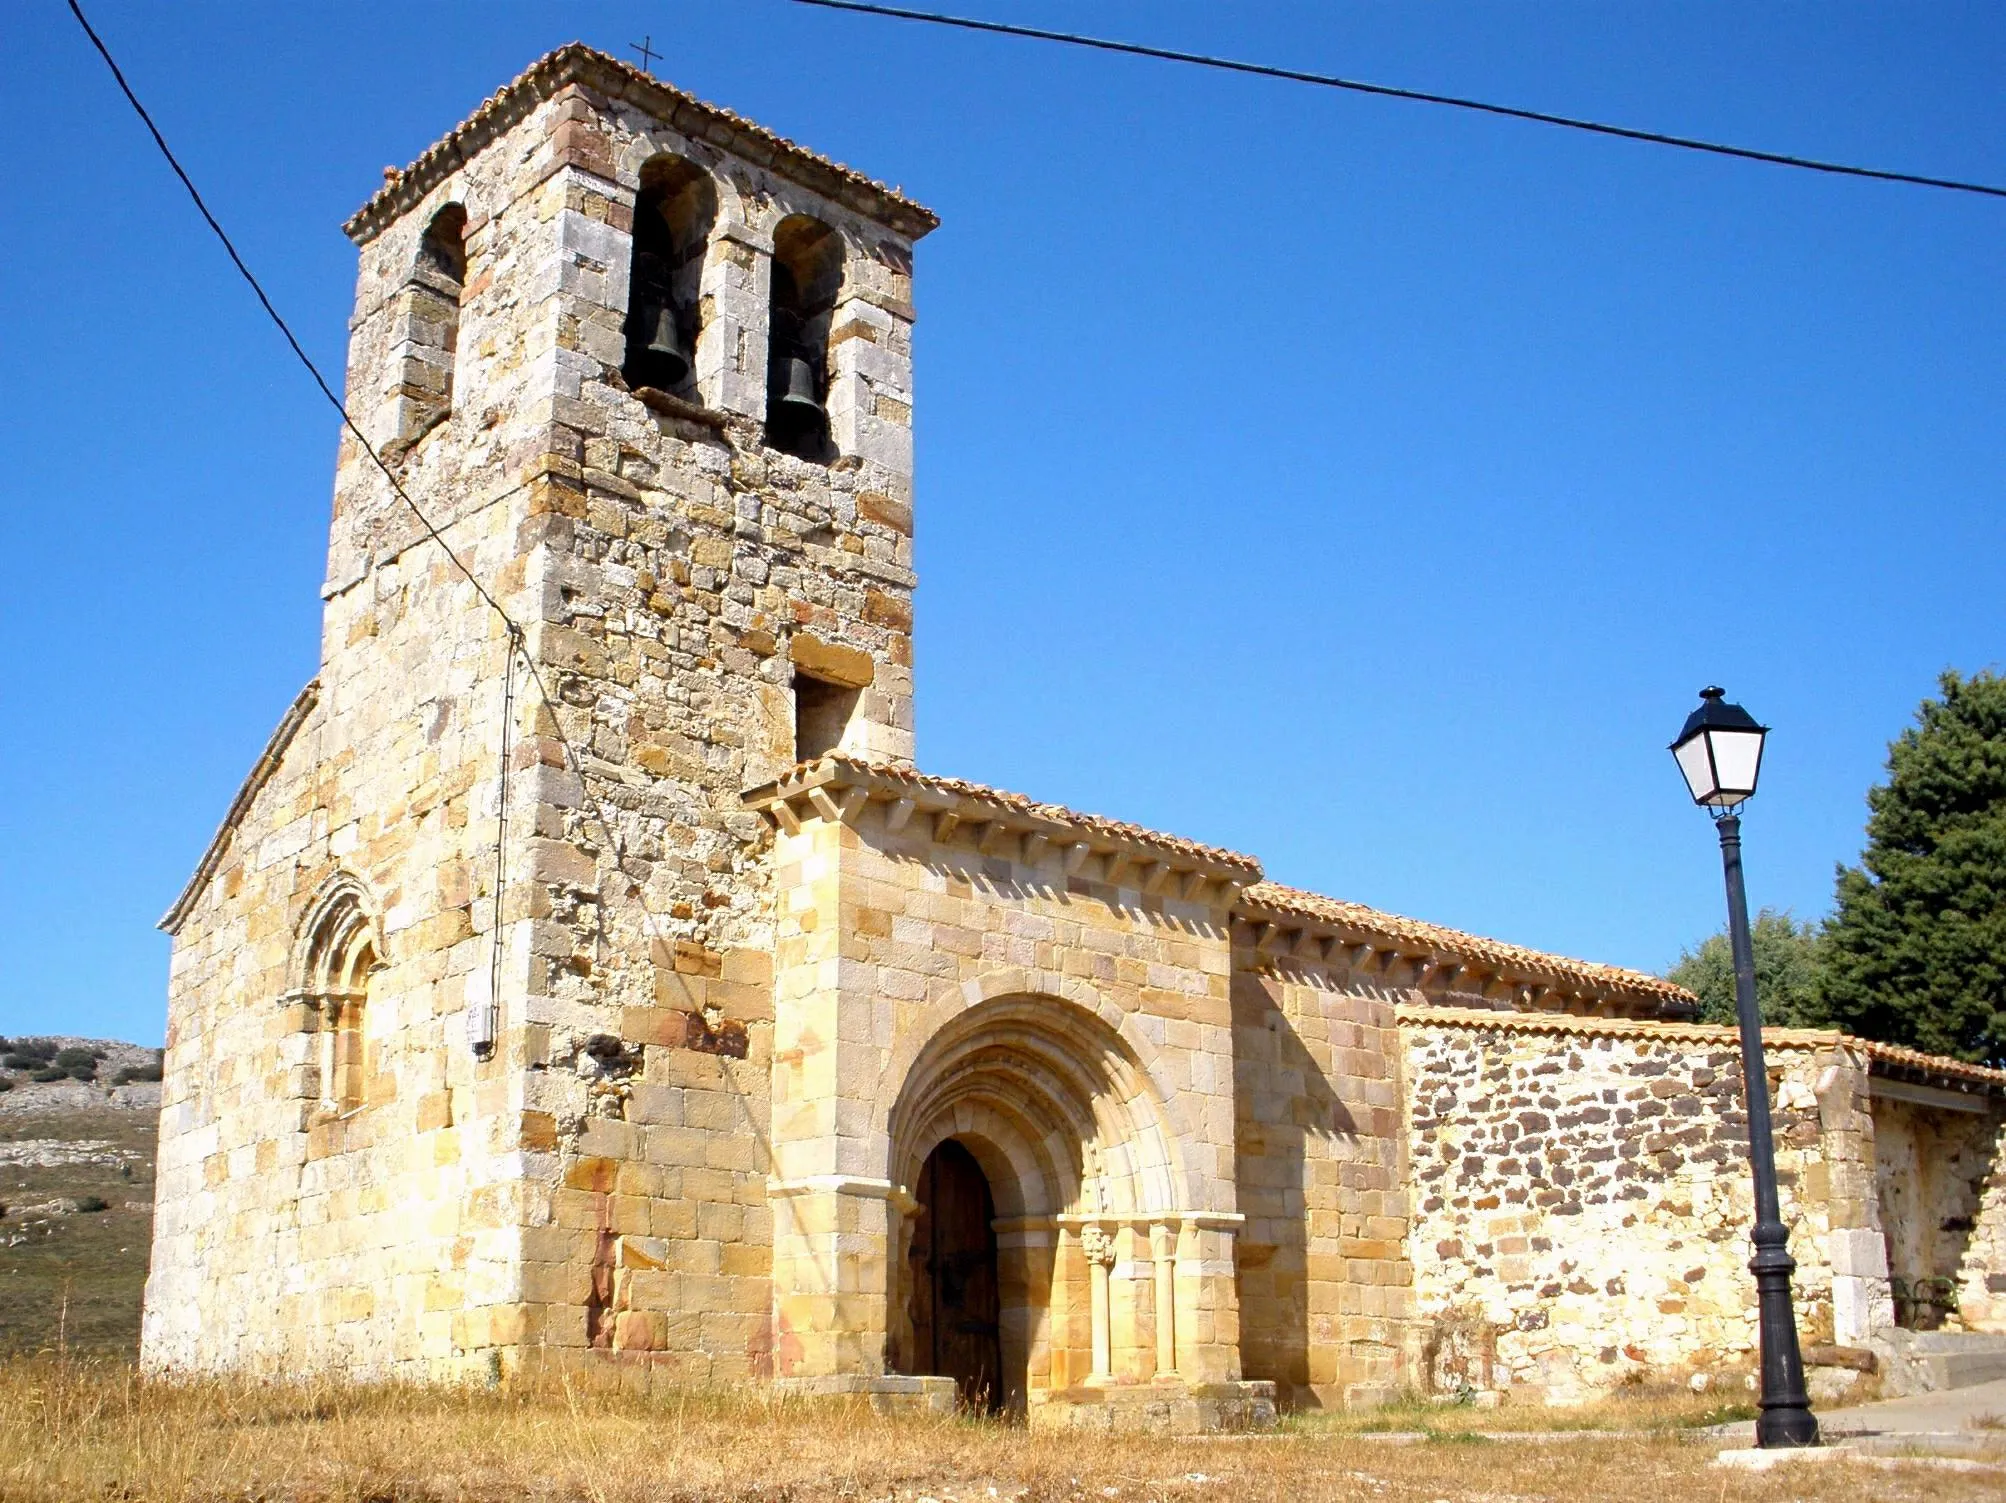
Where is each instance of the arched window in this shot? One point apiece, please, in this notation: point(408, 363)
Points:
point(673, 215)
point(807, 275)
point(430, 325)
point(337, 956)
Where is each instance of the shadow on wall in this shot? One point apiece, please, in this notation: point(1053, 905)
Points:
point(1288, 1189)
point(1943, 1211)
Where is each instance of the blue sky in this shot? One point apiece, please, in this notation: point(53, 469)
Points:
point(1366, 486)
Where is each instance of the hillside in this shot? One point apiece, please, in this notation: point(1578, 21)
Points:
point(76, 1192)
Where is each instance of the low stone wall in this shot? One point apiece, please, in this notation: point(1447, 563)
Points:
point(1582, 1197)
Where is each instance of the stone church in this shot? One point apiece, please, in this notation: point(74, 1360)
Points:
point(612, 988)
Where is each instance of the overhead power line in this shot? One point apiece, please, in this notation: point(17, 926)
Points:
point(1419, 96)
point(516, 638)
point(271, 312)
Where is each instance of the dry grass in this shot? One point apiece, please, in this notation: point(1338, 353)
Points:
point(1669, 1409)
point(71, 1430)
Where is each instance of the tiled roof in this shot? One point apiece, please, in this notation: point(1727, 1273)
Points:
point(895, 779)
point(1274, 898)
point(1894, 1059)
point(576, 63)
point(1882, 1059)
point(1593, 1026)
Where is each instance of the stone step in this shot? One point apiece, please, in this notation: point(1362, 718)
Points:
point(1942, 1360)
point(1930, 1343)
point(1963, 1369)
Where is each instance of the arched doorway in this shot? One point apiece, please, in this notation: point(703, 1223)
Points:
point(952, 1272)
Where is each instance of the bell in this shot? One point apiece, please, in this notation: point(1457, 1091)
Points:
point(656, 355)
point(794, 399)
point(664, 361)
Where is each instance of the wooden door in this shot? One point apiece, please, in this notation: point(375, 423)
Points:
point(956, 1332)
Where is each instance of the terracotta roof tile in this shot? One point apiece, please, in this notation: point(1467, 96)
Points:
point(1898, 1058)
point(840, 769)
point(1275, 898)
point(1891, 1057)
point(1599, 1026)
point(576, 63)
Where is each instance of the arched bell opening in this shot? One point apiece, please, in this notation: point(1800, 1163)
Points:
point(673, 215)
point(1053, 1110)
point(428, 326)
point(807, 276)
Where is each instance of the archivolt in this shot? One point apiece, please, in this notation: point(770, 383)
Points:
point(1052, 1102)
point(336, 946)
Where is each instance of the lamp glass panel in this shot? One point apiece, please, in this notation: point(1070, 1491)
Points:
point(1736, 756)
point(1698, 771)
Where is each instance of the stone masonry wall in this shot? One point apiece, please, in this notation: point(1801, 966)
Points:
point(383, 1239)
point(686, 572)
point(1943, 1208)
point(1583, 1197)
point(1324, 1274)
point(936, 978)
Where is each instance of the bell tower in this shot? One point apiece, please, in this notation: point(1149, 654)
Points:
point(647, 368)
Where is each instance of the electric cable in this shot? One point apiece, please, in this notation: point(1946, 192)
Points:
point(1418, 96)
point(516, 637)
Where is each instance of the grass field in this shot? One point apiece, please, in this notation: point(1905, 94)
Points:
point(71, 1278)
point(77, 1422)
point(73, 1430)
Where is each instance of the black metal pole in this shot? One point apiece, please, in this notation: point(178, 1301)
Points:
point(1786, 1418)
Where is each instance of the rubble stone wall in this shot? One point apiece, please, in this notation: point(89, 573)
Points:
point(1583, 1198)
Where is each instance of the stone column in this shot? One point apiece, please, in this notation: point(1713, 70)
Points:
point(1163, 1249)
point(1099, 1249)
point(870, 379)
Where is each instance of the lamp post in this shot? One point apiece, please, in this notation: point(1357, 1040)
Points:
point(1720, 753)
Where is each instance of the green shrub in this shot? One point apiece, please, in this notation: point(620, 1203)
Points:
point(18, 1062)
point(69, 1059)
point(6, 1085)
point(40, 1051)
point(91, 1204)
point(130, 1073)
point(45, 1076)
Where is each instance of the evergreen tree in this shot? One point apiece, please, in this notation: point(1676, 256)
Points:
point(1786, 972)
point(1915, 950)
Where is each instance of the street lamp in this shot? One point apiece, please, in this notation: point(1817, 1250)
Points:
point(1720, 753)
